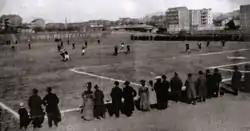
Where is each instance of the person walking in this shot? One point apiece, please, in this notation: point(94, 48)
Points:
point(201, 86)
point(144, 96)
point(99, 106)
point(116, 95)
point(36, 112)
point(236, 80)
point(88, 103)
point(128, 94)
point(176, 86)
point(51, 102)
point(191, 92)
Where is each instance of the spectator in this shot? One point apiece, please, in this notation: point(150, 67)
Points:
point(216, 82)
point(165, 91)
point(236, 80)
point(51, 102)
point(88, 103)
point(99, 107)
point(176, 86)
point(116, 95)
point(128, 94)
point(191, 92)
point(24, 117)
point(201, 85)
point(144, 96)
point(36, 111)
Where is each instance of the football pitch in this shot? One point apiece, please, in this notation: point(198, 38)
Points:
point(24, 69)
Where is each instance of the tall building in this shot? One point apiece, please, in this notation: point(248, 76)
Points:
point(195, 19)
point(177, 19)
point(206, 17)
point(245, 17)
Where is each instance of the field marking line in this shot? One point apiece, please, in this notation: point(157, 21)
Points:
point(221, 66)
point(230, 70)
point(5, 107)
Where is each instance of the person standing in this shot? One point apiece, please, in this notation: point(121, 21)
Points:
point(73, 46)
point(152, 95)
point(128, 49)
point(157, 88)
point(51, 102)
point(98, 41)
point(115, 51)
point(29, 43)
point(223, 42)
point(116, 95)
point(165, 91)
point(191, 92)
point(187, 48)
point(217, 78)
point(236, 80)
point(209, 84)
point(128, 94)
point(88, 103)
point(201, 85)
point(36, 112)
point(86, 44)
point(144, 96)
point(99, 106)
point(68, 41)
point(176, 85)
point(23, 117)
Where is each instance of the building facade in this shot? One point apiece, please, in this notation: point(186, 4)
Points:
point(38, 23)
point(206, 17)
point(245, 17)
point(177, 19)
point(195, 19)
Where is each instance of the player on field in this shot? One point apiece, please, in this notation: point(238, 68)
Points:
point(115, 51)
point(199, 46)
point(86, 44)
point(122, 46)
point(66, 56)
point(208, 43)
point(98, 41)
point(187, 48)
point(128, 49)
point(83, 50)
point(73, 46)
point(223, 42)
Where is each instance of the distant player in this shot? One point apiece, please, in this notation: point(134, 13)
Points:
point(66, 56)
point(187, 48)
point(115, 51)
point(83, 50)
point(98, 41)
point(128, 49)
point(59, 47)
point(73, 46)
point(68, 41)
point(223, 42)
point(62, 44)
point(29, 44)
point(199, 46)
point(86, 44)
point(16, 42)
point(208, 43)
point(122, 46)
point(63, 55)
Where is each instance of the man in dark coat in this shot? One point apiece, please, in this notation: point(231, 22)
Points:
point(201, 86)
point(128, 49)
point(116, 95)
point(209, 84)
point(98, 41)
point(99, 107)
point(217, 78)
point(115, 51)
point(157, 88)
point(51, 102)
point(165, 90)
point(68, 41)
point(236, 80)
point(73, 46)
point(223, 42)
point(86, 44)
point(128, 94)
point(176, 85)
point(35, 104)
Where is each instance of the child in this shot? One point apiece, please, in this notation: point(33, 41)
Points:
point(24, 117)
point(83, 50)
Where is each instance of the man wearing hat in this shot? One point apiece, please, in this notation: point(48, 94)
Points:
point(51, 102)
point(159, 94)
point(236, 80)
point(164, 91)
point(99, 107)
point(217, 78)
point(128, 94)
point(176, 85)
point(116, 95)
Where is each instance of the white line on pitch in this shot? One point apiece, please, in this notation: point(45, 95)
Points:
point(230, 70)
point(5, 107)
point(101, 77)
point(241, 63)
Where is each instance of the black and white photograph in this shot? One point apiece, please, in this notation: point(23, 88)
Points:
point(124, 65)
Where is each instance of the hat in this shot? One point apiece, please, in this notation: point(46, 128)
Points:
point(158, 77)
point(96, 87)
point(116, 83)
point(21, 105)
point(126, 83)
point(142, 81)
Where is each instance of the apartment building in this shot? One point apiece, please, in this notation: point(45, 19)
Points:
point(177, 19)
point(245, 17)
point(206, 17)
point(195, 19)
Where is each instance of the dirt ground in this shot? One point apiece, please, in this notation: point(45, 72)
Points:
point(23, 69)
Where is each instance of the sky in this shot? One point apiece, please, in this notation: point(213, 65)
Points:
point(82, 10)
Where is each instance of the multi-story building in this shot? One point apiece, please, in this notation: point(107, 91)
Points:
point(195, 19)
point(177, 19)
point(245, 17)
point(206, 17)
point(38, 23)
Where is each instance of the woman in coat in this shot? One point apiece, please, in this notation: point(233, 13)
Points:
point(88, 103)
point(99, 106)
point(144, 97)
point(128, 94)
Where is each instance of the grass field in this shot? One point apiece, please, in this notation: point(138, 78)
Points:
point(24, 69)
